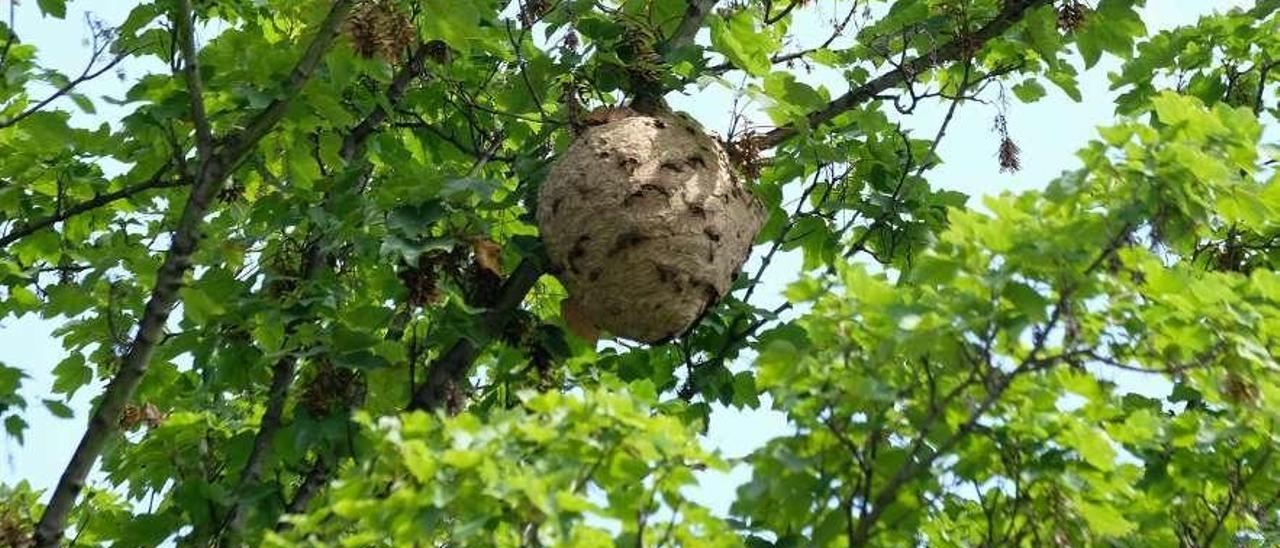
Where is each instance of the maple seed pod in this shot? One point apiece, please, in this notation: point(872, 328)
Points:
point(645, 223)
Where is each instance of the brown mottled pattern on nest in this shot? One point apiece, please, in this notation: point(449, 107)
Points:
point(646, 224)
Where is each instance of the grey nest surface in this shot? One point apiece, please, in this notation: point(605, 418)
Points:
point(646, 225)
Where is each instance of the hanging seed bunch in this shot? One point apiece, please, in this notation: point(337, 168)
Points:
point(148, 414)
point(1071, 15)
point(1008, 152)
point(380, 28)
point(744, 154)
point(422, 280)
point(532, 11)
point(645, 67)
point(483, 275)
point(16, 527)
point(439, 52)
point(646, 224)
point(282, 267)
point(331, 388)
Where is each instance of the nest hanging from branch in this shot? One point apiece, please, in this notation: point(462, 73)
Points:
point(646, 225)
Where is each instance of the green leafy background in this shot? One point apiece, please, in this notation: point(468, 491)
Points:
point(1090, 361)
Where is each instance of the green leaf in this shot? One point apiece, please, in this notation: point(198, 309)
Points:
point(199, 306)
point(793, 99)
point(455, 23)
point(1066, 81)
point(1105, 521)
point(58, 409)
point(738, 40)
point(1042, 31)
point(1093, 446)
point(744, 390)
point(268, 331)
point(14, 426)
point(83, 102)
point(1029, 91)
point(55, 8)
point(1111, 28)
point(70, 374)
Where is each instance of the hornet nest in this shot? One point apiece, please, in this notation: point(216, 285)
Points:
point(646, 224)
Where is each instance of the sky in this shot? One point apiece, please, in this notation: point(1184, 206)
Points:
point(1048, 132)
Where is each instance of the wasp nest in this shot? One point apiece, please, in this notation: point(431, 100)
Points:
point(646, 225)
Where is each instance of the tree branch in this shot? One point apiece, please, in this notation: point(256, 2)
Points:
point(778, 17)
point(695, 11)
point(909, 470)
point(12, 35)
point(105, 421)
point(1009, 15)
point(156, 181)
point(184, 20)
point(445, 372)
point(238, 147)
point(85, 76)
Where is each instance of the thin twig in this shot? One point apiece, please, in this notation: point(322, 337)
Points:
point(722, 68)
point(184, 20)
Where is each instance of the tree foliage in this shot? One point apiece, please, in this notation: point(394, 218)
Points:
point(304, 276)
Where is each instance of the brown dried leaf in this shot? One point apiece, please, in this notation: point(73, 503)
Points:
point(130, 418)
point(488, 255)
point(578, 322)
point(152, 416)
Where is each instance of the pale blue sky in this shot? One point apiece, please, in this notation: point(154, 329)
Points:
point(1049, 132)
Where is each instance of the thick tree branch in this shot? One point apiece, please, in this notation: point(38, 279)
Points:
point(1009, 15)
point(159, 180)
point(452, 367)
point(105, 421)
point(695, 12)
point(239, 146)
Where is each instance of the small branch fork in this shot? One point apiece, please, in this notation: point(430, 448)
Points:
point(214, 168)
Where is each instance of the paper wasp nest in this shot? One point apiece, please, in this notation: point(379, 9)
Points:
point(646, 225)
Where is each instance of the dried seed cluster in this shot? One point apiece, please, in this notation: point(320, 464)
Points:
point(1071, 15)
point(380, 28)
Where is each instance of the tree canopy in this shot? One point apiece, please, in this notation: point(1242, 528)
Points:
point(305, 277)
